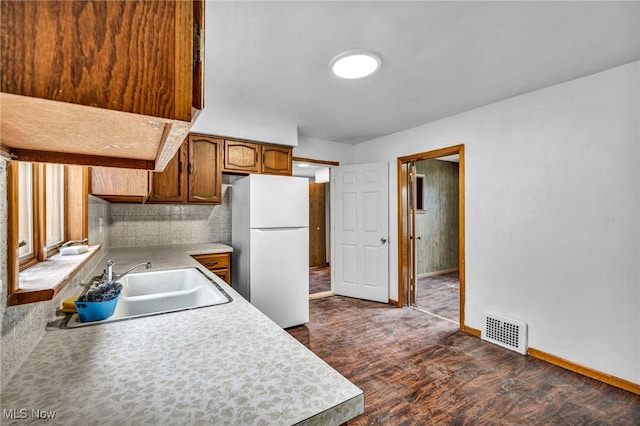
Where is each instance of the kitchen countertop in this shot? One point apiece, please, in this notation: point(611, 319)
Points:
point(225, 364)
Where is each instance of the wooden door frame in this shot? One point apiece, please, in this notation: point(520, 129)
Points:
point(403, 216)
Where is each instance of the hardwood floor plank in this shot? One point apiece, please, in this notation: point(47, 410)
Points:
point(319, 280)
point(440, 295)
point(416, 369)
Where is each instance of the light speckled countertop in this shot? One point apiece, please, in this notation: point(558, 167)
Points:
point(226, 364)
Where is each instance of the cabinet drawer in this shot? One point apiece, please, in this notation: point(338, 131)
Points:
point(225, 274)
point(213, 261)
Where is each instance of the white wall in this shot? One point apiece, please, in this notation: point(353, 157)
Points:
point(552, 214)
point(318, 149)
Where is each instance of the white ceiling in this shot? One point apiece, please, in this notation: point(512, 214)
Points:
point(439, 58)
point(308, 171)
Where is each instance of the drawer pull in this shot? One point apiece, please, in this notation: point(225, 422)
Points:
point(215, 262)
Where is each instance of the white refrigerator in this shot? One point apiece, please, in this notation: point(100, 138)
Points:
point(270, 239)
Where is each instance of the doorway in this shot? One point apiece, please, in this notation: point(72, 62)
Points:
point(318, 173)
point(431, 233)
point(434, 188)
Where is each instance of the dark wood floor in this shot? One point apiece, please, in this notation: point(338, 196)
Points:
point(319, 279)
point(417, 369)
point(440, 295)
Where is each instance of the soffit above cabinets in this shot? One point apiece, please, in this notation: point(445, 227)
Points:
point(36, 129)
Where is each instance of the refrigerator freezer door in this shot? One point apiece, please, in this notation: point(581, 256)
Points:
point(280, 274)
point(278, 201)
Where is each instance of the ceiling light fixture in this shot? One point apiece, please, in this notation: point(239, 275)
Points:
point(355, 63)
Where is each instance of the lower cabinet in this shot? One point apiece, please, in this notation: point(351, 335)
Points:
point(218, 263)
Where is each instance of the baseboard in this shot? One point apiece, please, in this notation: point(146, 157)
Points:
point(431, 274)
point(326, 265)
point(572, 366)
point(471, 331)
point(394, 302)
point(585, 371)
point(321, 295)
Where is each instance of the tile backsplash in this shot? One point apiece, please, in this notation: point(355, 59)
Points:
point(99, 229)
point(162, 224)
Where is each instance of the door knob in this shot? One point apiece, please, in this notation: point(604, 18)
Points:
point(383, 240)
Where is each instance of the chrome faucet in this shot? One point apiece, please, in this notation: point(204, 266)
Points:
point(110, 275)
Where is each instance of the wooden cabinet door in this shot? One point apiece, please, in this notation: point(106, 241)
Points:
point(241, 156)
point(276, 160)
point(104, 54)
point(225, 274)
point(168, 186)
point(205, 185)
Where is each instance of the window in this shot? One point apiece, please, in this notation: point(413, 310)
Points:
point(420, 207)
point(47, 206)
point(54, 205)
point(41, 212)
point(25, 209)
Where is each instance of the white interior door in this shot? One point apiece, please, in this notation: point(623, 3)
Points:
point(360, 221)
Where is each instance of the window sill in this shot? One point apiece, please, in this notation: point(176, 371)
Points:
point(42, 281)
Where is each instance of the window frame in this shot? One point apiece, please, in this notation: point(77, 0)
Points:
point(32, 257)
point(75, 188)
point(51, 249)
point(40, 250)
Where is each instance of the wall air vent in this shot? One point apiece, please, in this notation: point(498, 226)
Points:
point(506, 332)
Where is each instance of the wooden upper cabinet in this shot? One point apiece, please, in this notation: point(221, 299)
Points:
point(139, 64)
point(205, 184)
point(119, 185)
point(193, 175)
point(241, 156)
point(254, 157)
point(168, 186)
point(276, 160)
point(132, 56)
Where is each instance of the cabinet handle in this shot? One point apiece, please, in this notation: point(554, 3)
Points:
point(179, 166)
point(190, 168)
point(215, 262)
